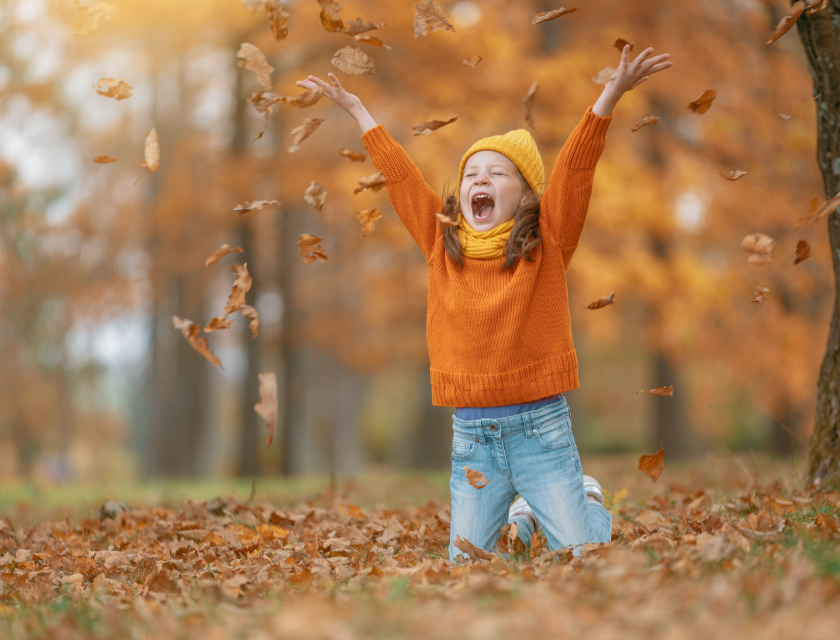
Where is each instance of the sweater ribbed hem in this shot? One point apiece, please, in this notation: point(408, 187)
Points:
point(589, 145)
point(534, 382)
point(392, 161)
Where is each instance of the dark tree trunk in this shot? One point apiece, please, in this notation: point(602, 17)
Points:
point(820, 34)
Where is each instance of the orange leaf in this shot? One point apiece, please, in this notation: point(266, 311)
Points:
point(368, 219)
point(151, 151)
point(218, 323)
point(803, 252)
point(475, 553)
point(266, 408)
point(309, 248)
point(357, 26)
point(732, 175)
point(820, 211)
point(104, 159)
point(373, 182)
point(220, 253)
point(301, 133)
point(113, 88)
point(602, 302)
point(426, 128)
point(428, 19)
point(760, 294)
point(253, 319)
point(471, 61)
point(279, 20)
point(191, 332)
point(545, 16)
point(330, 15)
point(652, 466)
point(702, 104)
point(353, 155)
point(647, 120)
point(254, 60)
point(372, 41)
point(659, 391)
point(760, 247)
point(354, 61)
point(305, 99)
point(256, 205)
point(620, 43)
point(476, 478)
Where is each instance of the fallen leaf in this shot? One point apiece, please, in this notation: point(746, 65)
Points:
point(372, 41)
point(315, 195)
point(471, 61)
point(602, 302)
point(659, 391)
point(256, 205)
point(652, 465)
point(309, 248)
point(113, 88)
point(305, 99)
point(604, 75)
point(760, 247)
point(90, 16)
point(545, 16)
point(373, 182)
point(254, 60)
point(357, 26)
point(528, 102)
point(217, 324)
point(732, 175)
point(762, 525)
point(428, 19)
point(352, 155)
point(760, 294)
point(266, 408)
point(354, 61)
point(650, 520)
point(647, 120)
point(446, 221)
point(475, 553)
point(476, 478)
point(820, 211)
point(220, 253)
point(803, 252)
point(827, 524)
point(702, 104)
point(330, 15)
point(426, 128)
point(151, 152)
point(253, 319)
point(368, 219)
point(191, 332)
point(302, 132)
point(620, 43)
point(104, 159)
point(279, 19)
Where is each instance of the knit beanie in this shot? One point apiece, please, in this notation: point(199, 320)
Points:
point(520, 147)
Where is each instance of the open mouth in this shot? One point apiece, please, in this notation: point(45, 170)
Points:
point(482, 206)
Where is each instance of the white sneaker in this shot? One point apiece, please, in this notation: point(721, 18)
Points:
point(520, 508)
point(593, 490)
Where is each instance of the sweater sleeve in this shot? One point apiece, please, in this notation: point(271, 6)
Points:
point(414, 201)
point(566, 200)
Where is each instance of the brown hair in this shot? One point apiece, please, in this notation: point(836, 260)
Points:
point(524, 236)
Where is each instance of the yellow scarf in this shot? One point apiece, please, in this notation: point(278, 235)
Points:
point(483, 245)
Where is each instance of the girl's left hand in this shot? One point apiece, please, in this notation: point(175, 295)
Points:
point(630, 75)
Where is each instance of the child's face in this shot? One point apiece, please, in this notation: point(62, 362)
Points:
point(491, 190)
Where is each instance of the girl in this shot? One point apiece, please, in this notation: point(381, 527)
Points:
point(498, 328)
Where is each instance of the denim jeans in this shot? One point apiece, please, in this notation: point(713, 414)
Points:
point(532, 454)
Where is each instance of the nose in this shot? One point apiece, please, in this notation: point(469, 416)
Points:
point(482, 178)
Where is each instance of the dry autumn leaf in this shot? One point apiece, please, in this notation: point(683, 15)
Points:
point(428, 19)
point(90, 16)
point(647, 120)
point(620, 43)
point(302, 132)
point(263, 101)
point(760, 247)
point(315, 195)
point(279, 19)
point(104, 159)
point(368, 219)
point(760, 294)
point(796, 10)
point(241, 286)
point(253, 319)
point(113, 88)
point(353, 155)
point(217, 324)
point(602, 302)
point(305, 99)
point(266, 408)
point(372, 41)
point(446, 221)
point(309, 248)
point(702, 104)
point(191, 332)
point(471, 62)
point(659, 391)
point(373, 182)
point(331, 15)
point(545, 16)
point(476, 478)
point(220, 253)
point(732, 175)
point(820, 211)
point(803, 252)
point(354, 61)
point(528, 102)
point(652, 465)
point(151, 153)
point(359, 26)
point(254, 60)
point(256, 205)
point(426, 128)
point(475, 553)
point(604, 75)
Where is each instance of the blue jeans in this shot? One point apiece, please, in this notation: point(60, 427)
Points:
point(533, 454)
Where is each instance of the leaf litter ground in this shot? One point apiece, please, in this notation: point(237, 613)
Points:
point(715, 549)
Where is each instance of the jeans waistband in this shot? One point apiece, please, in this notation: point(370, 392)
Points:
point(513, 423)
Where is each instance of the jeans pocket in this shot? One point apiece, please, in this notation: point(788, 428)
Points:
point(463, 447)
point(555, 433)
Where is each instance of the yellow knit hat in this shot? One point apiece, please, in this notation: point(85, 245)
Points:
point(520, 147)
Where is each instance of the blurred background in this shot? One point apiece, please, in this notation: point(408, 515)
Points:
point(96, 384)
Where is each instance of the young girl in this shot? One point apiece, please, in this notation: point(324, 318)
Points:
point(498, 328)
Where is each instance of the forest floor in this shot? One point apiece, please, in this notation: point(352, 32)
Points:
point(725, 546)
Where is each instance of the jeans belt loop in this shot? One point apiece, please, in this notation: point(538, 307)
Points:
point(526, 418)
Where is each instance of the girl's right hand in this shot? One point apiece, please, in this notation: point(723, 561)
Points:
point(334, 92)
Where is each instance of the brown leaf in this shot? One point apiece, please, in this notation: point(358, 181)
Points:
point(820, 211)
point(253, 319)
point(659, 391)
point(256, 205)
point(760, 247)
point(330, 15)
point(151, 152)
point(803, 252)
point(786, 23)
point(373, 182)
point(653, 465)
point(263, 101)
point(732, 175)
point(241, 286)
point(315, 195)
point(354, 61)
point(301, 133)
point(827, 524)
point(702, 104)
point(113, 88)
point(191, 332)
point(218, 323)
point(357, 26)
point(372, 41)
point(426, 128)
point(279, 19)
point(760, 294)
point(305, 99)
point(428, 19)
point(446, 221)
point(368, 219)
point(254, 60)
point(469, 548)
point(90, 16)
point(528, 102)
point(476, 478)
point(647, 120)
point(266, 408)
point(309, 248)
point(471, 61)
point(545, 16)
point(352, 155)
point(602, 302)
point(604, 75)
point(620, 43)
point(104, 159)
point(220, 253)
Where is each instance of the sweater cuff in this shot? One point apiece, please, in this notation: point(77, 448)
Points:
point(386, 154)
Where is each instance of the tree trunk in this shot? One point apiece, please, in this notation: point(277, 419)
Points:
point(820, 34)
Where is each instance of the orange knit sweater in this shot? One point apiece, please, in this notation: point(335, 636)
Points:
point(499, 337)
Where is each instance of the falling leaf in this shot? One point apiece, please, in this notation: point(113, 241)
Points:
point(330, 15)
point(301, 133)
point(309, 248)
point(652, 466)
point(315, 195)
point(760, 247)
point(803, 252)
point(426, 128)
point(266, 408)
point(241, 286)
point(89, 17)
point(602, 302)
point(732, 175)
point(220, 253)
point(760, 294)
point(476, 478)
point(256, 205)
point(218, 323)
point(620, 43)
point(357, 26)
point(659, 391)
point(647, 120)
point(428, 19)
point(604, 75)
point(820, 211)
point(368, 219)
point(702, 104)
point(191, 332)
point(354, 61)
point(104, 159)
point(471, 61)
point(254, 60)
point(279, 19)
point(545, 16)
point(372, 41)
point(113, 88)
point(475, 553)
point(446, 221)
point(264, 101)
point(253, 319)
point(305, 99)
point(151, 152)
point(528, 101)
point(786, 23)
point(353, 155)
point(374, 182)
